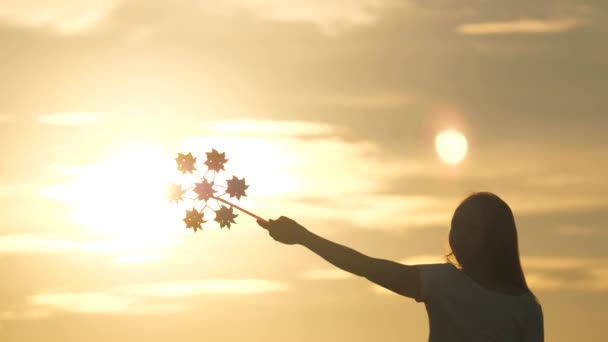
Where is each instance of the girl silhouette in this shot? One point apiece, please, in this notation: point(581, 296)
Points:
point(482, 295)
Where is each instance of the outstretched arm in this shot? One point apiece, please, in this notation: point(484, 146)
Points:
point(399, 278)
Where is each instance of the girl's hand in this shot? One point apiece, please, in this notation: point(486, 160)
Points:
point(284, 230)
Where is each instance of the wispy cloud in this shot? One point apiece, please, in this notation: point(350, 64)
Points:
point(566, 273)
point(62, 16)
point(339, 180)
point(206, 287)
point(12, 189)
point(270, 127)
point(7, 118)
point(69, 119)
point(540, 203)
point(581, 231)
point(144, 298)
point(97, 302)
point(29, 314)
point(309, 170)
point(323, 176)
point(329, 16)
point(361, 101)
point(70, 169)
point(139, 258)
point(83, 302)
point(553, 263)
point(123, 250)
point(521, 26)
point(373, 212)
point(42, 244)
point(325, 274)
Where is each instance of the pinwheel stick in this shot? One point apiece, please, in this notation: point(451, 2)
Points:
point(239, 208)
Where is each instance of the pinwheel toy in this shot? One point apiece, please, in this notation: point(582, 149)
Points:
point(205, 191)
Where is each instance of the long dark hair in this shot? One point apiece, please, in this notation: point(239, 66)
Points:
point(483, 236)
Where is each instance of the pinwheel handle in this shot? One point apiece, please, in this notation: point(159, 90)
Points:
point(239, 208)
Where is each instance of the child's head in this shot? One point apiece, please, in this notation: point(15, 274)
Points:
point(483, 237)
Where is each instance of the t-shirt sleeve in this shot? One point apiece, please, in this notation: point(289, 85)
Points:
point(534, 330)
point(432, 276)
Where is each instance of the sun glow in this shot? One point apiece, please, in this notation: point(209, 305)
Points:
point(265, 163)
point(123, 198)
point(451, 146)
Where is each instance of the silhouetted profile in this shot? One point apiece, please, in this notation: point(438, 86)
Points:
point(482, 295)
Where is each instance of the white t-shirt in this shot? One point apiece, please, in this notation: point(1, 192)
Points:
point(459, 309)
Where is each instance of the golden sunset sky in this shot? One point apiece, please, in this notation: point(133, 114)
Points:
point(331, 110)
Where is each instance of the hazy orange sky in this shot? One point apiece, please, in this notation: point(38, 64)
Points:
point(330, 110)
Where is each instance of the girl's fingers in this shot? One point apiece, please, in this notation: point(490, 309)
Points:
point(263, 224)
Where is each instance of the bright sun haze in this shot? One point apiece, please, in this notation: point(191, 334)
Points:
point(451, 146)
point(116, 196)
point(366, 121)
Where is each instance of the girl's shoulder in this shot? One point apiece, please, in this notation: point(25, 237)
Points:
point(434, 277)
point(447, 278)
